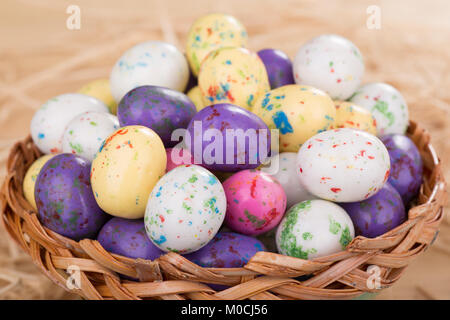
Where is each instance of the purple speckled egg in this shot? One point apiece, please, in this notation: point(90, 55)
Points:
point(226, 250)
point(406, 165)
point(127, 237)
point(378, 214)
point(64, 198)
point(278, 66)
point(161, 109)
point(228, 138)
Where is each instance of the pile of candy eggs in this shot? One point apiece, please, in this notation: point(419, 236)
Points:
point(222, 152)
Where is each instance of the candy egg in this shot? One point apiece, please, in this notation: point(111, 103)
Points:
point(387, 106)
point(232, 75)
point(185, 209)
point(86, 132)
point(64, 198)
point(331, 63)
point(211, 32)
point(349, 115)
point(298, 112)
point(125, 170)
point(226, 250)
point(128, 238)
point(50, 121)
point(29, 180)
point(149, 63)
point(177, 157)
point(406, 165)
point(255, 202)
point(343, 165)
point(161, 109)
point(378, 214)
point(278, 67)
point(196, 97)
point(241, 139)
point(313, 229)
point(101, 90)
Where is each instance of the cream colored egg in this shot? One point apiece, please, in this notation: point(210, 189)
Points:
point(30, 178)
point(350, 115)
point(196, 96)
point(101, 90)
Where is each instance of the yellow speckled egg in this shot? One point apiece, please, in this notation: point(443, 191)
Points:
point(298, 112)
point(211, 32)
point(233, 75)
point(125, 170)
point(350, 115)
point(101, 90)
point(30, 178)
point(196, 96)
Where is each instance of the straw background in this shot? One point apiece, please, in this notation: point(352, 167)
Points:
point(41, 58)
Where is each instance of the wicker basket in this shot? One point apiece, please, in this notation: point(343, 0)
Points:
point(267, 275)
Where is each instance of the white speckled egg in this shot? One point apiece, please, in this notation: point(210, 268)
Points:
point(86, 132)
point(386, 104)
point(313, 229)
point(185, 209)
point(331, 63)
point(343, 165)
point(50, 121)
point(154, 63)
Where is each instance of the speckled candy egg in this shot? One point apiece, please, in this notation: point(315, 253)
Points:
point(331, 63)
point(211, 32)
point(230, 150)
point(178, 156)
point(196, 97)
point(185, 209)
point(226, 250)
point(298, 112)
point(128, 238)
point(161, 109)
point(86, 132)
point(313, 229)
point(278, 67)
point(378, 214)
point(125, 170)
point(101, 90)
point(343, 165)
point(255, 202)
point(387, 106)
point(406, 165)
point(64, 198)
point(149, 63)
point(349, 115)
point(29, 181)
point(232, 75)
point(50, 121)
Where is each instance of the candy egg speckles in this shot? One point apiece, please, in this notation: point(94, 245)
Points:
point(29, 181)
point(196, 97)
point(125, 170)
point(101, 90)
point(343, 165)
point(331, 63)
point(313, 229)
point(278, 66)
point(349, 115)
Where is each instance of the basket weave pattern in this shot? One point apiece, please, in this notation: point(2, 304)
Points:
point(266, 276)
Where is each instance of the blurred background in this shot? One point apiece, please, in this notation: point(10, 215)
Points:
point(41, 57)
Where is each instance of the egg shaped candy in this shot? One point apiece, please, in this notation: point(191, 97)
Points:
point(64, 198)
point(256, 202)
point(101, 90)
point(178, 156)
point(331, 63)
point(125, 170)
point(50, 121)
point(386, 104)
point(343, 165)
point(161, 109)
point(149, 63)
point(29, 181)
point(378, 214)
point(185, 209)
point(406, 165)
point(86, 132)
point(349, 115)
point(232, 75)
point(278, 67)
point(298, 112)
point(313, 229)
point(211, 32)
point(196, 97)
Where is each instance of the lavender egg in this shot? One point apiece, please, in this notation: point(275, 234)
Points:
point(406, 165)
point(278, 67)
point(161, 109)
point(65, 200)
point(127, 237)
point(377, 215)
point(226, 250)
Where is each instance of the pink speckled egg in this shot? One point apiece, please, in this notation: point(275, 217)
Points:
point(256, 202)
point(177, 156)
